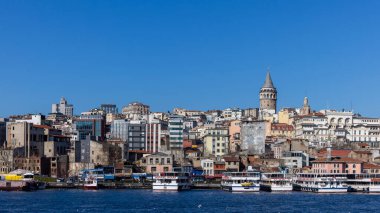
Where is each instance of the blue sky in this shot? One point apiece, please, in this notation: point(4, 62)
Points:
point(193, 54)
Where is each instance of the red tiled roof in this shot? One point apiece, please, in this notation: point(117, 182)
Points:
point(335, 153)
point(370, 166)
point(43, 126)
point(281, 126)
point(231, 159)
point(362, 152)
point(337, 160)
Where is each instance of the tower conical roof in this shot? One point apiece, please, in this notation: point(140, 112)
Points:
point(268, 81)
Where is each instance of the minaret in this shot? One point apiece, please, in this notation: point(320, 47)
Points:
point(268, 95)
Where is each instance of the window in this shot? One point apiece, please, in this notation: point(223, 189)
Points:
point(168, 160)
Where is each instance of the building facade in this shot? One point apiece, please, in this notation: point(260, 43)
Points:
point(253, 137)
point(109, 108)
point(216, 141)
point(63, 107)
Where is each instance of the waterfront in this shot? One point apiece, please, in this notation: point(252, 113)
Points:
point(187, 201)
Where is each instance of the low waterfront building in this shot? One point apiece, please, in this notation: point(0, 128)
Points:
point(232, 164)
point(371, 168)
point(337, 165)
point(32, 163)
point(295, 159)
point(208, 167)
point(219, 168)
point(158, 162)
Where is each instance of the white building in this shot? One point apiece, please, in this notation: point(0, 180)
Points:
point(63, 107)
point(232, 114)
point(338, 127)
point(208, 167)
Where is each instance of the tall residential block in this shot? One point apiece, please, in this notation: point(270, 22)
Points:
point(63, 107)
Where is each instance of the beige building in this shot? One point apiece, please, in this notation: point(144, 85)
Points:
point(56, 145)
point(282, 130)
point(234, 132)
point(99, 153)
point(286, 116)
point(25, 139)
point(6, 160)
point(158, 163)
point(232, 164)
point(135, 110)
point(216, 141)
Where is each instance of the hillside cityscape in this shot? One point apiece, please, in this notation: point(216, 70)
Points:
point(206, 144)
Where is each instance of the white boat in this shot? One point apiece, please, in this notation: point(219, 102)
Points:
point(276, 182)
point(241, 181)
point(364, 182)
point(90, 183)
point(320, 183)
point(18, 180)
point(171, 181)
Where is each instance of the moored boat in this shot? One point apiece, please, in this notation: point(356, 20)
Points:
point(171, 181)
point(320, 183)
point(18, 180)
point(241, 181)
point(90, 183)
point(276, 182)
point(364, 182)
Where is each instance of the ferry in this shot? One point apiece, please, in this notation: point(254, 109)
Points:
point(276, 182)
point(241, 181)
point(321, 183)
point(364, 183)
point(18, 180)
point(90, 183)
point(171, 181)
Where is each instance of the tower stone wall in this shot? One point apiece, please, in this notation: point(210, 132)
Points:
point(268, 95)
